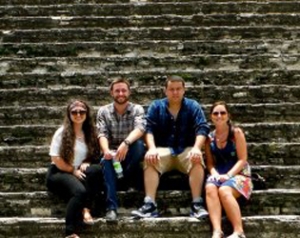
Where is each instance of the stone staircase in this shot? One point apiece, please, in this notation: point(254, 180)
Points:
point(245, 52)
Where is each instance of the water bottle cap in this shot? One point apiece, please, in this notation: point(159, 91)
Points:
point(113, 153)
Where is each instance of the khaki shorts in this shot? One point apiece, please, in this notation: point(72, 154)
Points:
point(170, 162)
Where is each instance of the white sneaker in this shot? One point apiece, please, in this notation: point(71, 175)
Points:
point(237, 235)
point(217, 234)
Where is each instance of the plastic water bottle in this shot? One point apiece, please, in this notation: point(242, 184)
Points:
point(117, 166)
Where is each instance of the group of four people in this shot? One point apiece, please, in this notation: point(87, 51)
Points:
point(174, 131)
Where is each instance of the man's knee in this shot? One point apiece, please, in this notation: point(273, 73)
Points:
point(196, 168)
point(149, 168)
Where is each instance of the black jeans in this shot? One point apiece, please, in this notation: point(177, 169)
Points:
point(78, 193)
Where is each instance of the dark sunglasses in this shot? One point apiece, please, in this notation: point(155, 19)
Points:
point(222, 113)
point(81, 112)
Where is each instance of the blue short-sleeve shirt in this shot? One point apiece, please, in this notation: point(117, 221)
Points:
point(178, 133)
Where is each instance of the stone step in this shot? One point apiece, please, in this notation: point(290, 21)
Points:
point(154, 33)
point(175, 227)
point(125, 8)
point(33, 179)
point(240, 113)
point(170, 203)
point(148, 8)
point(99, 63)
point(221, 1)
point(147, 48)
point(282, 132)
point(206, 94)
point(258, 154)
point(162, 20)
point(142, 48)
point(150, 77)
point(49, 2)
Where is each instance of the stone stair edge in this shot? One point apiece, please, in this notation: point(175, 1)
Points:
point(141, 57)
point(160, 74)
point(145, 3)
point(94, 63)
point(153, 225)
point(93, 78)
point(145, 88)
point(135, 29)
point(33, 179)
point(204, 93)
point(71, 78)
point(10, 220)
point(40, 134)
point(160, 193)
point(53, 114)
point(43, 160)
point(3, 147)
point(174, 227)
point(122, 48)
point(145, 16)
point(264, 153)
point(170, 203)
point(244, 124)
point(134, 3)
point(145, 106)
point(41, 170)
point(148, 41)
point(151, 20)
point(131, 33)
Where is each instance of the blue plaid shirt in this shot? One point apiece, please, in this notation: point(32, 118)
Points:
point(178, 133)
point(117, 127)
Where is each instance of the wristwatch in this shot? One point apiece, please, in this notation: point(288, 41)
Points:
point(127, 142)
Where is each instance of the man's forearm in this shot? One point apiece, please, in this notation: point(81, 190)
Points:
point(200, 140)
point(134, 135)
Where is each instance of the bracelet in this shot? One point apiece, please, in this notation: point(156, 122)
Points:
point(229, 175)
point(127, 142)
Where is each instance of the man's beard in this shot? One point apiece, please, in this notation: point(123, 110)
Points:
point(121, 100)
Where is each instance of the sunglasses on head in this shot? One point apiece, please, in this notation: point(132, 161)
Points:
point(80, 112)
point(222, 113)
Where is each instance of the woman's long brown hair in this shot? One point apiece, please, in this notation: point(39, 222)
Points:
point(68, 135)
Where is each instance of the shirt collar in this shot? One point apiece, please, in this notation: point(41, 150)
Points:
point(183, 102)
point(128, 109)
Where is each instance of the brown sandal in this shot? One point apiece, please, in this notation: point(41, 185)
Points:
point(87, 218)
point(73, 236)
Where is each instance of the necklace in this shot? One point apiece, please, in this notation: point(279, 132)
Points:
point(222, 137)
point(80, 137)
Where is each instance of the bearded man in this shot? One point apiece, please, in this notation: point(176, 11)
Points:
point(121, 125)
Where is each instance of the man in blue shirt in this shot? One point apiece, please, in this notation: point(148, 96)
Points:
point(175, 132)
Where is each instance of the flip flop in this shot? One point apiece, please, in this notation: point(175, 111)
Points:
point(73, 236)
point(87, 218)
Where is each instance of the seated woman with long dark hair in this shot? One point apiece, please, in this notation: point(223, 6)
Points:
point(72, 174)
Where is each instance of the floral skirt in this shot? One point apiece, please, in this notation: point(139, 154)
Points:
point(241, 182)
